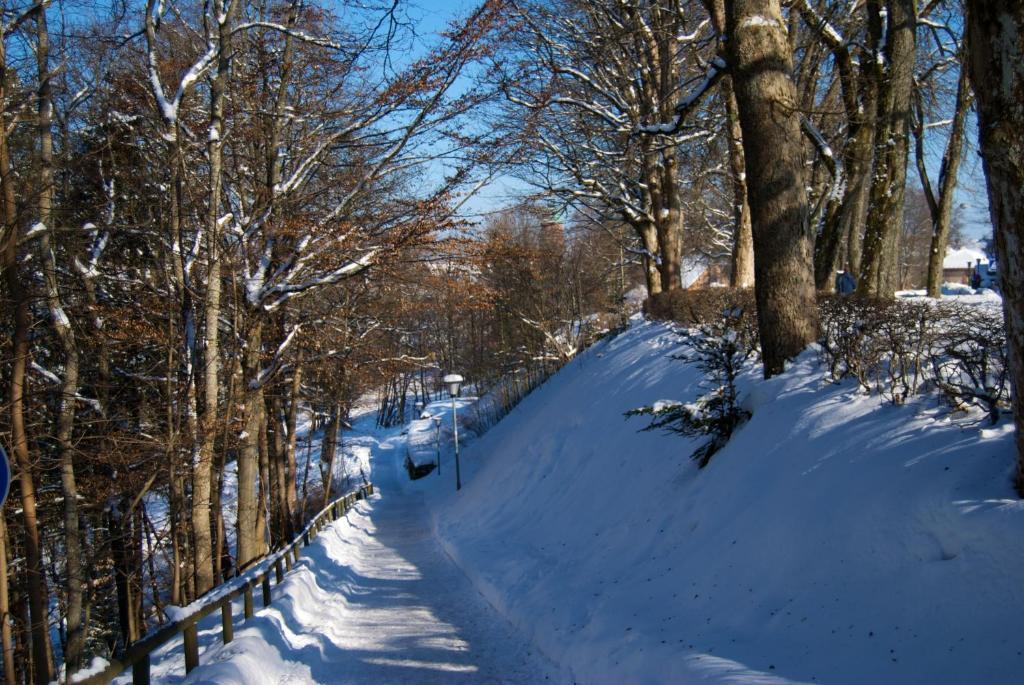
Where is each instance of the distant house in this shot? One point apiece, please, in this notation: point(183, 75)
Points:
point(961, 264)
point(701, 272)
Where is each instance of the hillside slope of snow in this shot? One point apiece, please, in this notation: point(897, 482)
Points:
point(835, 539)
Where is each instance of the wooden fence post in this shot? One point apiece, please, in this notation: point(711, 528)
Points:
point(189, 628)
point(191, 638)
point(140, 671)
point(227, 628)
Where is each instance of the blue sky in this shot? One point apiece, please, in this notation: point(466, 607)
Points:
point(432, 16)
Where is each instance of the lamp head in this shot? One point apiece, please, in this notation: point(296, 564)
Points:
point(454, 383)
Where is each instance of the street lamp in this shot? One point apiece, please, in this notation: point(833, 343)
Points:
point(437, 440)
point(454, 382)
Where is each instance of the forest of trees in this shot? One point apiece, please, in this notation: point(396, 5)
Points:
point(220, 216)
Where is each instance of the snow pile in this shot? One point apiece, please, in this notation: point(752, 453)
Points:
point(834, 539)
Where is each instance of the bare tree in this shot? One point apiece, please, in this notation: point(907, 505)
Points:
point(940, 198)
point(220, 19)
point(591, 76)
point(18, 286)
point(760, 61)
point(854, 50)
point(995, 31)
point(893, 30)
point(742, 275)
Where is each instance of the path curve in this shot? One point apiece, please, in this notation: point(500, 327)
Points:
point(376, 600)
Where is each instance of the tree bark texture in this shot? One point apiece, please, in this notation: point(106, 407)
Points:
point(742, 262)
point(761, 64)
point(878, 272)
point(996, 43)
point(249, 457)
point(941, 207)
point(59, 321)
point(6, 636)
point(17, 290)
point(290, 475)
point(202, 477)
point(330, 446)
point(649, 240)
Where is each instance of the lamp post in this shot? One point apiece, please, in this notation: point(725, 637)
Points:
point(454, 382)
point(437, 441)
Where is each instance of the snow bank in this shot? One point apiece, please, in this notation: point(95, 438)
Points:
point(834, 539)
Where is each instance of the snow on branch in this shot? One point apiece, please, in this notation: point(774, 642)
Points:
point(90, 269)
point(817, 138)
point(45, 373)
point(286, 291)
point(276, 362)
point(716, 69)
point(294, 33)
point(828, 33)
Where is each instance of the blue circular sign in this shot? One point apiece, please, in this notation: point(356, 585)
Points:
point(5, 476)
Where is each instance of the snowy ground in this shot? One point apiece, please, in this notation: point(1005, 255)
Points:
point(835, 539)
point(374, 600)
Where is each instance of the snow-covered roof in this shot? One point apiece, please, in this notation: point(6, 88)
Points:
point(963, 257)
point(692, 269)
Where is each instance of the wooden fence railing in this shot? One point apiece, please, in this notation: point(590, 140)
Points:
point(136, 656)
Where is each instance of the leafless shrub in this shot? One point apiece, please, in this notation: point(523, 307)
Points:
point(885, 345)
point(970, 362)
point(906, 336)
point(895, 348)
point(845, 337)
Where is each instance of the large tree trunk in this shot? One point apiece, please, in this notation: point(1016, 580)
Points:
point(996, 42)
point(941, 208)
point(202, 476)
point(249, 546)
point(184, 371)
point(265, 491)
point(761, 64)
point(649, 241)
point(17, 291)
point(742, 273)
point(275, 446)
point(859, 161)
point(75, 578)
point(878, 272)
point(661, 158)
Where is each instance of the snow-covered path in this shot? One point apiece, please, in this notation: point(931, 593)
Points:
point(375, 600)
